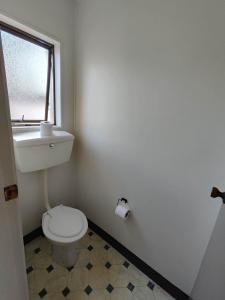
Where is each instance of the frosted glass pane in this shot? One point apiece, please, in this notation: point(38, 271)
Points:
point(26, 67)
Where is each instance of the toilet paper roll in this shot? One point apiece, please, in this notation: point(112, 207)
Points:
point(122, 211)
point(46, 128)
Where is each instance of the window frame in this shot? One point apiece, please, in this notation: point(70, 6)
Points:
point(51, 68)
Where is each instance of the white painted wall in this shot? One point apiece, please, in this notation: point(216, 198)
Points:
point(150, 125)
point(54, 18)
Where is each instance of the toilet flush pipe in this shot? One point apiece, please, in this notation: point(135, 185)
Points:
point(46, 201)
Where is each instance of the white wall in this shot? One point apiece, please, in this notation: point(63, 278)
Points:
point(55, 18)
point(210, 281)
point(150, 125)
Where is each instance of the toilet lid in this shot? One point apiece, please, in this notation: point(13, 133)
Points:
point(65, 221)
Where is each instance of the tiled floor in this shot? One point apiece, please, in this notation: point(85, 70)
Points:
point(100, 273)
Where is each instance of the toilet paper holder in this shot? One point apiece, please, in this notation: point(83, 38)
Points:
point(122, 208)
point(122, 200)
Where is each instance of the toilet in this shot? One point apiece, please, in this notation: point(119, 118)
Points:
point(63, 226)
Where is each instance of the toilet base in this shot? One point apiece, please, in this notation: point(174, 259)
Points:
point(65, 256)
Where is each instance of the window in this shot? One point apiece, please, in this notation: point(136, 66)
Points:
point(29, 66)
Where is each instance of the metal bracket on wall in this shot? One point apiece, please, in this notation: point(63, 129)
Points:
point(217, 193)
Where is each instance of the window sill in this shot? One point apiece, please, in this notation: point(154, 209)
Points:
point(16, 129)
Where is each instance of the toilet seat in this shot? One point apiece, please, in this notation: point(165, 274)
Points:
point(63, 224)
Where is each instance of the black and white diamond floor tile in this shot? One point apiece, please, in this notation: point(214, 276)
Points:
point(100, 273)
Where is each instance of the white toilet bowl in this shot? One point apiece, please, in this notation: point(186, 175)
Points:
point(64, 226)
